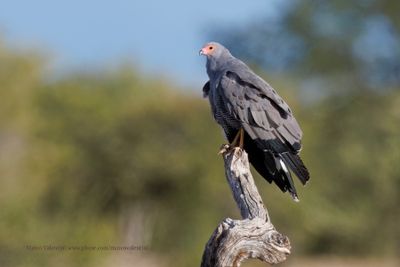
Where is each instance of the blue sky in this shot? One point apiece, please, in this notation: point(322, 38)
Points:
point(158, 36)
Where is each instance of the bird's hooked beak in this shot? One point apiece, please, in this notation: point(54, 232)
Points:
point(201, 52)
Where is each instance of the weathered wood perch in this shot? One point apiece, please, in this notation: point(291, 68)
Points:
point(253, 237)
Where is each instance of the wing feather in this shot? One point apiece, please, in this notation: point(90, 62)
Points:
point(260, 108)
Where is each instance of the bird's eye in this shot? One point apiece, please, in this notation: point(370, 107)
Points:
point(211, 48)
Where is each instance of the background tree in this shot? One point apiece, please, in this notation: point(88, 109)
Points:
point(337, 45)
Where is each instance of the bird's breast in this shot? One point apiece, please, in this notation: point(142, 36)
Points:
point(220, 110)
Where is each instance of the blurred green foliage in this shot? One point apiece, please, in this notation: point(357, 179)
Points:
point(334, 45)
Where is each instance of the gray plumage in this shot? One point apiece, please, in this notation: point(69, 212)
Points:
point(241, 99)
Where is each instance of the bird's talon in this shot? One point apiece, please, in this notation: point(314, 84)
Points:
point(224, 149)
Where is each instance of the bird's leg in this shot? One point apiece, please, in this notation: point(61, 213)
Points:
point(241, 138)
point(238, 140)
point(235, 140)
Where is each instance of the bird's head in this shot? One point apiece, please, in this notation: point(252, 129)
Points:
point(213, 50)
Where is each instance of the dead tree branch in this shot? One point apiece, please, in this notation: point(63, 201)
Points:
point(252, 237)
